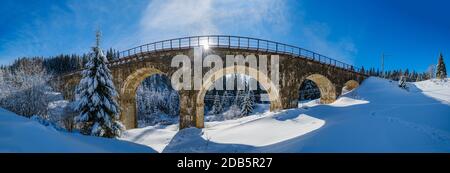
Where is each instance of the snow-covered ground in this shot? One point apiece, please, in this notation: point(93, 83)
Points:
point(437, 89)
point(376, 117)
point(256, 130)
point(20, 134)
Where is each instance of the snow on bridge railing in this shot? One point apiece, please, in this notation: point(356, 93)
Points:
point(236, 42)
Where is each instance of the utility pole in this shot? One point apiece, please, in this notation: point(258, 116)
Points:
point(383, 55)
point(382, 65)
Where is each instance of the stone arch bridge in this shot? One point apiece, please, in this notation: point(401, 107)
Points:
point(295, 66)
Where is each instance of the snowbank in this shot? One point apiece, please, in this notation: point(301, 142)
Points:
point(20, 134)
point(376, 117)
point(390, 120)
point(435, 88)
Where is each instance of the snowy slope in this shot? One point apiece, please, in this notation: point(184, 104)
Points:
point(439, 89)
point(19, 134)
point(376, 117)
point(392, 120)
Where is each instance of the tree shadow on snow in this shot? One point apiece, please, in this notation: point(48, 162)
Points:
point(190, 140)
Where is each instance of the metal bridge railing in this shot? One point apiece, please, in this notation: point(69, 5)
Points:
point(236, 42)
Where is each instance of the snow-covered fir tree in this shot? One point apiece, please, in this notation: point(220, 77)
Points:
point(96, 97)
point(247, 105)
point(252, 97)
point(217, 105)
point(441, 71)
point(239, 97)
point(227, 99)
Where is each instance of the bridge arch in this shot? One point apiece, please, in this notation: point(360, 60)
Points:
point(326, 87)
point(350, 85)
point(263, 79)
point(127, 95)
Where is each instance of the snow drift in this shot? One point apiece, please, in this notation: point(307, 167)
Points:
point(20, 134)
point(376, 117)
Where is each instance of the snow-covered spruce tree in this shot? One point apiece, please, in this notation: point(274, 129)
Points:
point(247, 105)
point(239, 97)
point(441, 71)
point(217, 105)
point(96, 97)
point(226, 100)
point(252, 97)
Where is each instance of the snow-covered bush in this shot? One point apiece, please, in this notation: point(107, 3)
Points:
point(232, 113)
point(24, 88)
point(47, 123)
point(62, 113)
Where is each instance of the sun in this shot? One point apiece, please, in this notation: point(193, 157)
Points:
point(205, 44)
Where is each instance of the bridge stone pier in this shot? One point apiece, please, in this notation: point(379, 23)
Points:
point(136, 64)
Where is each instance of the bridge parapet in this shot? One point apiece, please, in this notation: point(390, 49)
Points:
point(230, 42)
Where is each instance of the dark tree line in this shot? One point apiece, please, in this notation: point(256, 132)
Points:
point(439, 72)
point(411, 76)
point(59, 64)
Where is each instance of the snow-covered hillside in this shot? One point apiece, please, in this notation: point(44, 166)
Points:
point(376, 117)
point(20, 134)
point(438, 89)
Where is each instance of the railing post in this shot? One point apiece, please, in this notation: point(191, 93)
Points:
point(288, 49)
point(257, 45)
point(248, 43)
point(239, 42)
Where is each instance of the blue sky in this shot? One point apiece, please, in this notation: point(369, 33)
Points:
point(412, 33)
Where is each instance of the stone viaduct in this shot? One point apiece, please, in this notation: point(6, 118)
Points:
point(295, 66)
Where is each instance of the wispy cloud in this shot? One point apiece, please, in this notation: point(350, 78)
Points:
point(164, 19)
point(174, 18)
point(317, 36)
point(69, 28)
